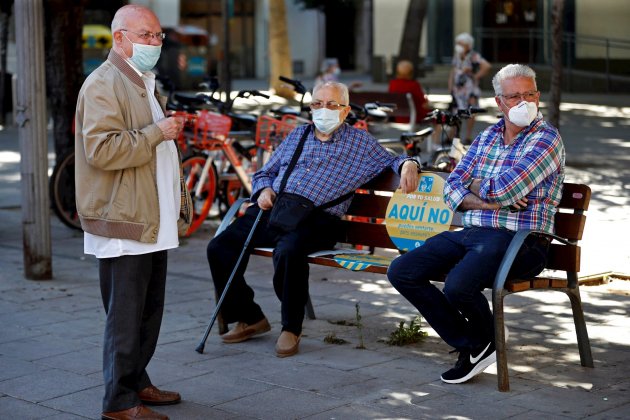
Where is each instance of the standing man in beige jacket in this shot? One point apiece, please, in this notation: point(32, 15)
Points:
point(132, 203)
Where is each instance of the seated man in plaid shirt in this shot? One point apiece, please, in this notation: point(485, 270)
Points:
point(510, 179)
point(336, 159)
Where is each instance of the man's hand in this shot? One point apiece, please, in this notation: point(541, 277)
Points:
point(170, 127)
point(409, 177)
point(519, 205)
point(266, 198)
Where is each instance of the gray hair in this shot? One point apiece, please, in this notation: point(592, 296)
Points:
point(509, 72)
point(340, 87)
point(465, 38)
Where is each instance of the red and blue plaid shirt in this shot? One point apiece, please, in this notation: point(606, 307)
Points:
point(532, 166)
point(328, 169)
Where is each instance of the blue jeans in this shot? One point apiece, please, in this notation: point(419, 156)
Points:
point(469, 259)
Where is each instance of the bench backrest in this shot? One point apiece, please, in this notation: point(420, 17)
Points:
point(364, 224)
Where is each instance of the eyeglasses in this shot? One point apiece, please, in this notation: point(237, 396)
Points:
point(332, 105)
point(516, 97)
point(147, 36)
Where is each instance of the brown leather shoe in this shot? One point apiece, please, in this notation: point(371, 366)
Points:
point(287, 344)
point(153, 396)
point(243, 332)
point(139, 412)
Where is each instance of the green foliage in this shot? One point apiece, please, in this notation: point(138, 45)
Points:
point(407, 335)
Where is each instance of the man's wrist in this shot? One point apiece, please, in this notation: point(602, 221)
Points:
point(414, 161)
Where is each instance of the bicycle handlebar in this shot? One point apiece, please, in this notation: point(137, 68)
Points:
point(248, 93)
point(297, 85)
point(439, 116)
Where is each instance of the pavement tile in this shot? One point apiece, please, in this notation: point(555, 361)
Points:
point(39, 347)
point(19, 409)
point(213, 389)
point(84, 402)
point(46, 384)
point(343, 358)
point(311, 378)
point(11, 367)
point(271, 404)
point(192, 411)
point(83, 362)
point(577, 402)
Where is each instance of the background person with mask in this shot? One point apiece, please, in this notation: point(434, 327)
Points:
point(132, 203)
point(335, 160)
point(463, 82)
point(510, 179)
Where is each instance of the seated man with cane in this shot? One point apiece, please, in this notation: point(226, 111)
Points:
point(302, 192)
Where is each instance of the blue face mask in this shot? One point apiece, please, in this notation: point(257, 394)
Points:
point(144, 57)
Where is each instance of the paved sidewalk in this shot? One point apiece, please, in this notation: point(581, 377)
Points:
point(51, 333)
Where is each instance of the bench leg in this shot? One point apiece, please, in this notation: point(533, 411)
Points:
point(308, 309)
point(499, 341)
point(584, 345)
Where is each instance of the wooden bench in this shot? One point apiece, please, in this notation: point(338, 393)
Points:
point(405, 106)
point(364, 227)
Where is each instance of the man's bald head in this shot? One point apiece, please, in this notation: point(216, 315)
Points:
point(404, 69)
point(130, 13)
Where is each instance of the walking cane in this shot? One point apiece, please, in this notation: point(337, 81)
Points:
point(202, 343)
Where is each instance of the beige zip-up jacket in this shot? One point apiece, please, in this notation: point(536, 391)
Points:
point(115, 160)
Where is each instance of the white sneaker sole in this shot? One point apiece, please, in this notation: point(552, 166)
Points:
point(479, 367)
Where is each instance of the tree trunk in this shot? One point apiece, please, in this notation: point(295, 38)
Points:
point(412, 32)
point(64, 66)
point(363, 31)
point(279, 48)
point(556, 62)
point(31, 121)
point(5, 15)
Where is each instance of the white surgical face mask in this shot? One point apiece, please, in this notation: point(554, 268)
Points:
point(459, 49)
point(523, 114)
point(326, 120)
point(144, 57)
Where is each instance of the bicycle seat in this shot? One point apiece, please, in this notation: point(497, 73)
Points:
point(246, 118)
point(285, 110)
point(188, 100)
point(417, 136)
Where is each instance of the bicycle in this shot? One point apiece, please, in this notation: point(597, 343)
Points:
point(452, 150)
point(61, 189)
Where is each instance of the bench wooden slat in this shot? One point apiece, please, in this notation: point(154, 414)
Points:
point(368, 205)
point(368, 234)
point(575, 196)
point(564, 257)
point(569, 225)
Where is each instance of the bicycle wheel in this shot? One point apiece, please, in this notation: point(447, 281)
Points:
point(62, 191)
point(202, 200)
point(230, 190)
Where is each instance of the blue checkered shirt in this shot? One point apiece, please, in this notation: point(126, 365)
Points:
point(328, 169)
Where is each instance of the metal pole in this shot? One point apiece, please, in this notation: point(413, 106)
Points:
point(226, 80)
point(607, 65)
point(31, 121)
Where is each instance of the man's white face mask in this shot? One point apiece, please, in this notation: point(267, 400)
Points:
point(523, 113)
point(326, 120)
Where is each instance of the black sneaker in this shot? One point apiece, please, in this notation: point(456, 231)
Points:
point(468, 365)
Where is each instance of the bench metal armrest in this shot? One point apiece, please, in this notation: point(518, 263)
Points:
point(510, 256)
point(227, 219)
